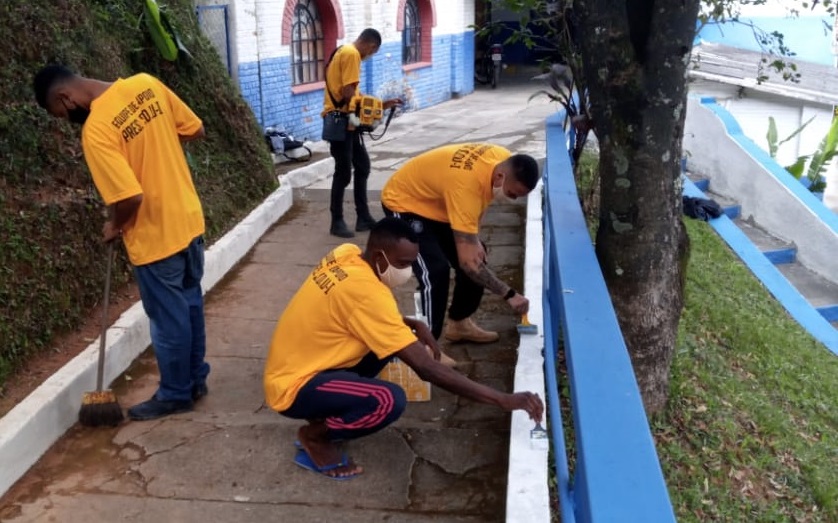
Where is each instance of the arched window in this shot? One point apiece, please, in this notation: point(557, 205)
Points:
point(412, 34)
point(307, 55)
point(415, 20)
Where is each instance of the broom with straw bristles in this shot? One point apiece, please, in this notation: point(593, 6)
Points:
point(100, 407)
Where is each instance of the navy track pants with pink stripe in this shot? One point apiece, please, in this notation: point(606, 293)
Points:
point(353, 403)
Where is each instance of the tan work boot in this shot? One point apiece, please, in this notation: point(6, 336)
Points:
point(466, 330)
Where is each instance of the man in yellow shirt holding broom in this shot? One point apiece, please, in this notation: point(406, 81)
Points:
point(131, 135)
point(338, 332)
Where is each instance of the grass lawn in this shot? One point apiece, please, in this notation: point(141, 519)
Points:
point(751, 432)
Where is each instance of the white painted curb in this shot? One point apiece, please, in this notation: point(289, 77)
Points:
point(310, 174)
point(528, 493)
point(30, 428)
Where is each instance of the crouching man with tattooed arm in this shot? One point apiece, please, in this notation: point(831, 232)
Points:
point(443, 193)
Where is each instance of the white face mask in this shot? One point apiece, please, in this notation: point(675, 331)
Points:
point(499, 196)
point(393, 277)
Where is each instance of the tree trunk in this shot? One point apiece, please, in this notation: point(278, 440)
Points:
point(635, 54)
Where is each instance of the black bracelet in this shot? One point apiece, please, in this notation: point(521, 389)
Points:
point(510, 293)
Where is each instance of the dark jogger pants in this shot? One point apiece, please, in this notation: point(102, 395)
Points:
point(437, 255)
point(348, 154)
point(352, 402)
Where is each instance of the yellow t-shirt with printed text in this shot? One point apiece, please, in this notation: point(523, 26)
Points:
point(450, 184)
point(340, 313)
point(131, 143)
point(345, 69)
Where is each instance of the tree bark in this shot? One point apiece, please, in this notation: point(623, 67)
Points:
point(635, 55)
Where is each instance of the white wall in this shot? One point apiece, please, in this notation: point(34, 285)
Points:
point(752, 109)
point(245, 41)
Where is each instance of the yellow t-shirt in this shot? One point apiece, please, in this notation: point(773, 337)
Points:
point(344, 70)
point(131, 144)
point(340, 313)
point(450, 184)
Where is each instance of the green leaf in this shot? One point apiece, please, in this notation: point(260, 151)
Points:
point(796, 169)
point(168, 26)
point(798, 131)
point(826, 151)
point(159, 35)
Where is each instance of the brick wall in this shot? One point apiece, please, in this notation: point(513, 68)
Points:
point(263, 67)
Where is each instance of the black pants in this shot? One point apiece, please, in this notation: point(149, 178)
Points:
point(352, 402)
point(348, 154)
point(437, 255)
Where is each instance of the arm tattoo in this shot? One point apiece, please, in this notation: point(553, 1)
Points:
point(482, 275)
point(465, 237)
point(485, 277)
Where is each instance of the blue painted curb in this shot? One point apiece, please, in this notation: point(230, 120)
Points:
point(781, 256)
point(789, 297)
point(733, 211)
point(829, 312)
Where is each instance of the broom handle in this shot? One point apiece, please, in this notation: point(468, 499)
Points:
point(100, 372)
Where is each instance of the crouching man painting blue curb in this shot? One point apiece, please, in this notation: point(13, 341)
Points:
point(338, 332)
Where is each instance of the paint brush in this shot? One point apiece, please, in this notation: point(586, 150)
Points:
point(538, 437)
point(525, 327)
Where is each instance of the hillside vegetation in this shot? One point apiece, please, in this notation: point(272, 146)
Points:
point(52, 263)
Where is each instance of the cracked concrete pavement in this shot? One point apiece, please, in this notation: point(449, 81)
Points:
point(231, 460)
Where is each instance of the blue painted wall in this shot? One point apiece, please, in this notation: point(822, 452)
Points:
point(810, 37)
point(273, 103)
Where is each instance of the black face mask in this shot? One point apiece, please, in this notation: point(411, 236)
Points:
point(77, 115)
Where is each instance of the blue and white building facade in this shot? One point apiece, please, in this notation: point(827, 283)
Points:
point(278, 49)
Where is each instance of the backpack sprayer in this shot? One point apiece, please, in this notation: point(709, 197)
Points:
point(366, 113)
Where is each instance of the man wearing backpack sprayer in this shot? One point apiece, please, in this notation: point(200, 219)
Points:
point(343, 74)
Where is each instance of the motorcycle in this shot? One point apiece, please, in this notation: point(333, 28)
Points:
point(497, 63)
point(489, 66)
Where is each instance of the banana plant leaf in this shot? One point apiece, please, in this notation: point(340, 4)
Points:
point(774, 142)
point(161, 37)
point(168, 26)
point(796, 169)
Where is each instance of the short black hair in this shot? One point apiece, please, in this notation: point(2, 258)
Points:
point(388, 231)
point(370, 35)
point(524, 169)
point(47, 78)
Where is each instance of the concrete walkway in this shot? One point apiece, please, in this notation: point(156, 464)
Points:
point(229, 460)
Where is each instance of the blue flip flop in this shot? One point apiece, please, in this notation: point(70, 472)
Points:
point(302, 459)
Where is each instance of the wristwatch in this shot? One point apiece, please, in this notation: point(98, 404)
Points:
point(510, 293)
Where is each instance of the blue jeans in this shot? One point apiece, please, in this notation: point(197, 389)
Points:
point(171, 293)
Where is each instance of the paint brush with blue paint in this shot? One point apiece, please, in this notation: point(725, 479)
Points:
point(525, 327)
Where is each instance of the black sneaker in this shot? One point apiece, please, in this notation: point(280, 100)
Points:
point(154, 408)
point(364, 223)
point(199, 390)
point(340, 230)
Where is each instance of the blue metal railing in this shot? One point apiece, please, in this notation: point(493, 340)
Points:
point(617, 476)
